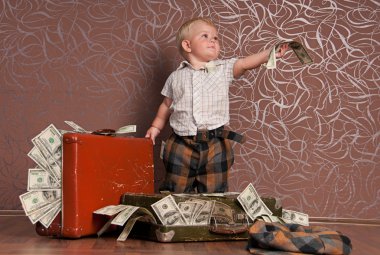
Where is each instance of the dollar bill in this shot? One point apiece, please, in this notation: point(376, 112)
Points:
point(168, 212)
point(199, 204)
point(290, 216)
point(53, 162)
point(128, 228)
point(110, 210)
point(38, 158)
point(40, 179)
point(300, 52)
point(124, 215)
point(223, 213)
point(225, 194)
point(271, 63)
point(37, 215)
point(188, 210)
point(252, 203)
point(33, 201)
point(51, 139)
point(76, 127)
point(297, 48)
point(48, 218)
point(204, 215)
point(126, 129)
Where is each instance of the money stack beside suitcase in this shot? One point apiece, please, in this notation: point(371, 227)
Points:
point(215, 231)
point(96, 171)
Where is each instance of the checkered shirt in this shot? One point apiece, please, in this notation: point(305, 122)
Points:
point(214, 96)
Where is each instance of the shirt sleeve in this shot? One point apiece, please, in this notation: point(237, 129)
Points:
point(167, 90)
point(229, 68)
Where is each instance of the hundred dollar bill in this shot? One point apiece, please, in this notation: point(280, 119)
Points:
point(54, 165)
point(110, 210)
point(290, 216)
point(128, 227)
point(40, 179)
point(76, 127)
point(300, 52)
point(33, 201)
point(168, 212)
point(48, 218)
point(38, 158)
point(126, 129)
point(199, 204)
point(36, 216)
point(223, 213)
point(188, 210)
point(225, 194)
point(50, 157)
point(204, 215)
point(271, 63)
point(124, 215)
point(51, 139)
point(252, 203)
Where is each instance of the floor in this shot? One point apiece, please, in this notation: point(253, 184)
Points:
point(18, 236)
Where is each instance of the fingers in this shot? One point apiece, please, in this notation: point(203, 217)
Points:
point(151, 137)
point(282, 50)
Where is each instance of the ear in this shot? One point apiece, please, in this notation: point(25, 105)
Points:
point(186, 46)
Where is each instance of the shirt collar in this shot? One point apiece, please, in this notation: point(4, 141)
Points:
point(209, 67)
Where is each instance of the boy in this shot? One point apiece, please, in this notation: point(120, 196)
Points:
point(198, 154)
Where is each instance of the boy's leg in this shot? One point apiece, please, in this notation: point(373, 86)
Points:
point(180, 160)
point(216, 159)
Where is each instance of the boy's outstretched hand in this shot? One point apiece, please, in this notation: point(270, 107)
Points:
point(282, 50)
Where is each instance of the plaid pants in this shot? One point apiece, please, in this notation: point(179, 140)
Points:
point(196, 166)
point(295, 239)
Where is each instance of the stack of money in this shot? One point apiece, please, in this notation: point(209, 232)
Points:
point(42, 202)
point(194, 211)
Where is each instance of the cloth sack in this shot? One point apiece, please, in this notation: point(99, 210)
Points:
point(295, 239)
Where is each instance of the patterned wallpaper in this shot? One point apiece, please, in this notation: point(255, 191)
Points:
point(313, 131)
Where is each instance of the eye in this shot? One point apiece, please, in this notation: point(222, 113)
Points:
point(205, 35)
point(215, 38)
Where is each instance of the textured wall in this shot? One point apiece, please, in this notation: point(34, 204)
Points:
point(313, 131)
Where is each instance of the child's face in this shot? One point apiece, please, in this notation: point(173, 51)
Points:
point(204, 42)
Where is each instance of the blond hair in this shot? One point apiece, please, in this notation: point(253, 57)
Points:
point(185, 28)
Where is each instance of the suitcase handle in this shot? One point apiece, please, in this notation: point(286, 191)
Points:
point(105, 132)
point(227, 229)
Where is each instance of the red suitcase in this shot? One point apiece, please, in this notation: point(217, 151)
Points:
point(96, 171)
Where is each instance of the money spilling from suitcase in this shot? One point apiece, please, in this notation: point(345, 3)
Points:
point(43, 200)
point(196, 210)
point(298, 50)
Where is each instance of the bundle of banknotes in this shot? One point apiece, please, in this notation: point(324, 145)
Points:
point(196, 211)
point(42, 202)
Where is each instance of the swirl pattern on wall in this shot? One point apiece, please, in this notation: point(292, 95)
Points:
point(312, 131)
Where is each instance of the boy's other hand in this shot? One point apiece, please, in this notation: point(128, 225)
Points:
point(152, 133)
